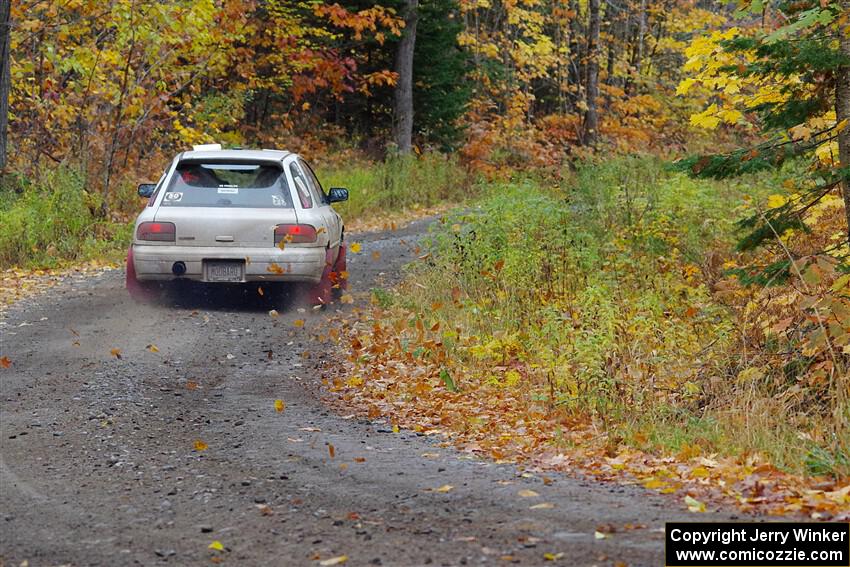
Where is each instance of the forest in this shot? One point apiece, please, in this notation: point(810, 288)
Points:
point(642, 261)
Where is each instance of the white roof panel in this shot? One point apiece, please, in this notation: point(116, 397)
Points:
point(242, 155)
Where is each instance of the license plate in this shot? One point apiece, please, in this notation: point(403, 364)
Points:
point(225, 270)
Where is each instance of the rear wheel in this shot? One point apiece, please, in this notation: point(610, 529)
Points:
point(339, 274)
point(141, 291)
point(320, 293)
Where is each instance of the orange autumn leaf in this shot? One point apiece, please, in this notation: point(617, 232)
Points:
point(5, 362)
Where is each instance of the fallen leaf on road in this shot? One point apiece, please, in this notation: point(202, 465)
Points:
point(346, 298)
point(443, 489)
point(331, 450)
point(355, 247)
point(5, 362)
point(200, 445)
point(694, 505)
point(191, 385)
point(376, 255)
point(279, 405)
point(264, 509)
point(273, 313)
point(116, 352)
point(700, 472)
point(312, 429)
point(599, 535)
point(216, 545)
point(298, 322)
point(334, 561)
point(526, 493)
point(542, 506)
point(152, 348)
point(553, 556)
point(359, 459)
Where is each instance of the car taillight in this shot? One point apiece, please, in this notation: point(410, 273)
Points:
point(295, 233)
point(161, 231)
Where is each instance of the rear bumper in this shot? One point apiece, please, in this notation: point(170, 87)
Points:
point(294, 264)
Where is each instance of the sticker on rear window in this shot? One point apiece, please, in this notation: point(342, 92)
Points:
point(278, 201)
point(173, 197)
point(231, 190)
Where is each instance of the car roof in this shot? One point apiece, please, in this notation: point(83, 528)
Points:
point(241, 155)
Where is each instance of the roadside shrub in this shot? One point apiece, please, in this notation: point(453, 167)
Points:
point(611, 297)
point(399, 183)
point(54, 219)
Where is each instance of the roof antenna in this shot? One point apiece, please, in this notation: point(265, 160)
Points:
point(206, 147)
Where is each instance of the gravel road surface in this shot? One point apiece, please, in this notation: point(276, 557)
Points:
point(98, 464)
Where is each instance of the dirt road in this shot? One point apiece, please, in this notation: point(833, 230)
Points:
point(98, 464)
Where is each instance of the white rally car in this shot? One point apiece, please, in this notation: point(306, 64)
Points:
point(238, 216)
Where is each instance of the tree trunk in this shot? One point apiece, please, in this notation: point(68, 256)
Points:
point(404, 87)
point(612, 17)
point(641, 36)
point(575, 64)
point(842, 112)
point(591, 118)
point(5, 79)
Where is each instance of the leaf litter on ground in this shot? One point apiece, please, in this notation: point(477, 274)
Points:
point(400, 383)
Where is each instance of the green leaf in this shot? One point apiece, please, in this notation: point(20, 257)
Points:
point(447, 380)
point(807, 18)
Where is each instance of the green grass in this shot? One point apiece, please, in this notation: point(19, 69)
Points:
point(397, 184)
point(52, 221)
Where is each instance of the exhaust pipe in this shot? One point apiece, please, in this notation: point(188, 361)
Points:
point(178, 269)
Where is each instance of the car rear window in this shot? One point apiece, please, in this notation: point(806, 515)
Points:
point(228, 185)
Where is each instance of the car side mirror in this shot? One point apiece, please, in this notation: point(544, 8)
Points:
point(337, 194)
point(146, 190)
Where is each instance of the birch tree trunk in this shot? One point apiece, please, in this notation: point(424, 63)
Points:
point(842, 112)
point(404, 88)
